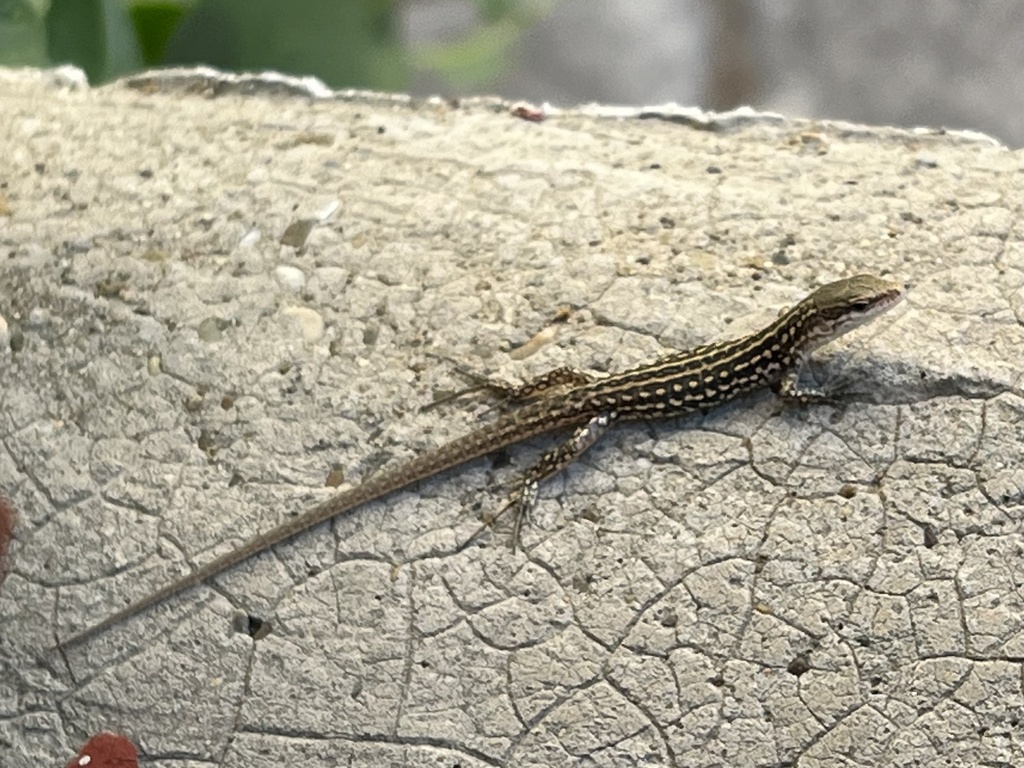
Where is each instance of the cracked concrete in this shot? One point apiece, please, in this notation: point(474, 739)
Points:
point(758, 586)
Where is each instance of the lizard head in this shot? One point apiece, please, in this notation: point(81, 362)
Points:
point(839, 307)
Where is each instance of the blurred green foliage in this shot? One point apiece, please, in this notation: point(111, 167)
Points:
point(346, 43)
point(480, 57)
point(94, 34)
point(23, 32)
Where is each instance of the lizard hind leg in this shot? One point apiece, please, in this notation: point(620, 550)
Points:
point(553, 382)
point(521, 500)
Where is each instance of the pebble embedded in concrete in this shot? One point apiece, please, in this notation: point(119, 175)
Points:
point(292, 278)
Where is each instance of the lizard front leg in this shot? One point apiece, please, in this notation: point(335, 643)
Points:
point(791, 390)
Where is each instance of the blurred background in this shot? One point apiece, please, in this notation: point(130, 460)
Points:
point(936, 63)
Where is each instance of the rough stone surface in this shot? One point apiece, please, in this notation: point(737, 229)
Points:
point(758, 586)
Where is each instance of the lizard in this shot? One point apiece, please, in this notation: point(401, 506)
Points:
point(566, 398)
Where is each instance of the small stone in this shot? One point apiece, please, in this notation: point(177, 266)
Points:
point(298, 233)
point(38, 317)
point(292, 278)
point(250, 238)
point(211, 329)
point(17, 341)
point(799, 666)
point(311, 324)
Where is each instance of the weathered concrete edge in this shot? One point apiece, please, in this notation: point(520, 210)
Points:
point(215, 82)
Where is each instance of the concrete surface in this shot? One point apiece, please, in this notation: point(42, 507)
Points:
point(758, 586)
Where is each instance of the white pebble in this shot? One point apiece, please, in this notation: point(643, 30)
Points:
point(37, 317)
point(250, 238)
point(327, 211)
point(292, 278)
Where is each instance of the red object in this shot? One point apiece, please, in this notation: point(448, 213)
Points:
point(106, 750)
point(7, 520)
point(528, 111)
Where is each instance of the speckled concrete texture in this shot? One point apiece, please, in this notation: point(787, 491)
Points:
point(221, 295)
